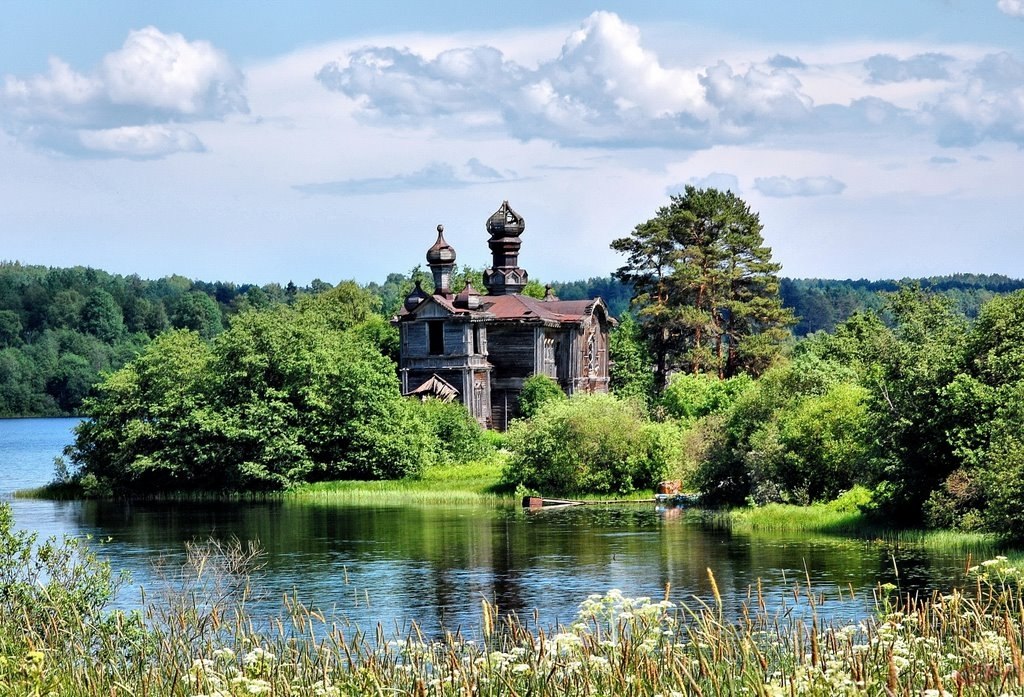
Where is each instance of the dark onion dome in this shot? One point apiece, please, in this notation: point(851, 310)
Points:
point(441, 252)
point(505, 222)
point(413, 299)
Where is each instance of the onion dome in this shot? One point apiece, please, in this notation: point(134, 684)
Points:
point(505, 222)
point(549, 294)
point(441, 252)
point(413, 299)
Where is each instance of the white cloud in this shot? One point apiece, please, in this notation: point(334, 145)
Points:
point(989, 105)
point(1014, 8)
point(755, 98)
point(884, 68)
point(604, 88)
point(166, 72)
point(127, 106)
point(784, 187)
point(140, 142)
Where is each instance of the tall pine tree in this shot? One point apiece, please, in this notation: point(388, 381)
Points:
point(705, 288)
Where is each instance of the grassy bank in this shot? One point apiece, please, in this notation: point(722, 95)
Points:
point(826, 519)
point(59, 636)
point(472, 482)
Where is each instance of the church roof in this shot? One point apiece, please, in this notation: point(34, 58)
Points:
point(523, 307)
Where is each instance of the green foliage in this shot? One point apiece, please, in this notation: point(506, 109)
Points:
point(54, 596)
point(534, 289)
point(857, 499)
point(283, 396)
point(65, 327)
point(705, 288)
point(456, 435)
point(823, 304)
point(632, 373)
point(908, 371)
point(796, 435)
point(690, 396)
point(198, 312)
point(592, 444)
point(537, 391)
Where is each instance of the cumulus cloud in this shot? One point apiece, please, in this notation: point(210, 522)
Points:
point(716, 180)
point(988, 106)
point(1014, 8)
point(605, 88)
point(885, 68)
point(756, 96)
point(783, 187)
point(436, 175)
point(129, 105)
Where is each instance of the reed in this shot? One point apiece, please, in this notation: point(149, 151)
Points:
point(199, 638)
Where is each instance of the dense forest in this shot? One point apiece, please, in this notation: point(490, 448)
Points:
point(60, 329)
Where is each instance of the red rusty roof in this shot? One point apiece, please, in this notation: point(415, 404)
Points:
point(524, 307)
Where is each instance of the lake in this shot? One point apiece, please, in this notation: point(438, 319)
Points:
point(431, 564)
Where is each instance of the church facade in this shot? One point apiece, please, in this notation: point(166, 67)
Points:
point(479, 346)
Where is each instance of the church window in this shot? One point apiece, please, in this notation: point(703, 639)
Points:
point(435, 338)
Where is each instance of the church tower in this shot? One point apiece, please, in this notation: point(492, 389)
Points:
point(441, 260)
point(505, 277)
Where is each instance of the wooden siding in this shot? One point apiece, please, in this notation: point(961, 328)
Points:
point(511, 350)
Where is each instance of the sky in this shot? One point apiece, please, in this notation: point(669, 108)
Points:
point(260, 142)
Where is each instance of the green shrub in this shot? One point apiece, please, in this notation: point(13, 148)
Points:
point(690, 396)
point(857, 499)
point(457, 436)
point(592, 444)
point(537, 391)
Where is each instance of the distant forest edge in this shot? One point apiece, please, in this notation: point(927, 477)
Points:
point(61, 328)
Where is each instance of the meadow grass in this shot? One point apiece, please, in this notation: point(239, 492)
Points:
point(59, 636)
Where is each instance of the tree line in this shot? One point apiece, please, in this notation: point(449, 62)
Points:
point(62, 328)
point(915, 401)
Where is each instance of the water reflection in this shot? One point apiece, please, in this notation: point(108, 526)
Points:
point(434, 564)
point(395, 564)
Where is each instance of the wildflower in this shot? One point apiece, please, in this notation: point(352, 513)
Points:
point(223, 654)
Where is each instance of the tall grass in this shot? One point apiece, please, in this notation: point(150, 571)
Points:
point(200, 639)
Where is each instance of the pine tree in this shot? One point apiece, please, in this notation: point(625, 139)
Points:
point(705, 287)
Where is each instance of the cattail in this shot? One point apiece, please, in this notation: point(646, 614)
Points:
point(714, 586)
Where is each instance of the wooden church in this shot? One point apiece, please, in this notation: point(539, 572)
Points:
point(479, 347)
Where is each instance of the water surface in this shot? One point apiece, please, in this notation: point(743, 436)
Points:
point(433, 564)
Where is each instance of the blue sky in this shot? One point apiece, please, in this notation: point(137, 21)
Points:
point(290, 141)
